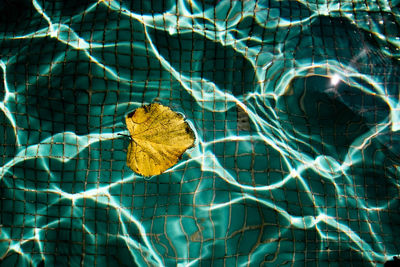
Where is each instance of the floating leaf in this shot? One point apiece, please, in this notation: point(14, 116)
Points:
point(159, 137)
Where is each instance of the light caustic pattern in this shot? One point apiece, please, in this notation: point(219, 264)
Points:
point(296, 111)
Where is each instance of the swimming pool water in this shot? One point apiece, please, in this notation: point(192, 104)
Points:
point(295, 107)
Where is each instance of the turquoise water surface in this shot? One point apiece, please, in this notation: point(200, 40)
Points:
point(296, 110)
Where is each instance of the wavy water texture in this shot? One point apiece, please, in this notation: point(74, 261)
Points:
point(295, 106)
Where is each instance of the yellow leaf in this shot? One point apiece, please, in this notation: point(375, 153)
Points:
point(159, 137)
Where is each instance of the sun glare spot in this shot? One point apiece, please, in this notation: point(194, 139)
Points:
point(335, 79)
